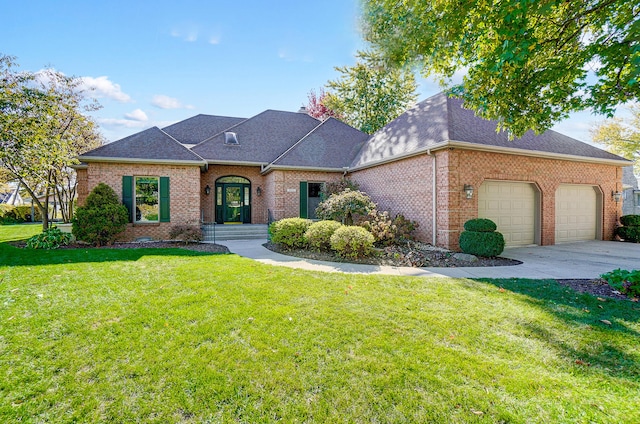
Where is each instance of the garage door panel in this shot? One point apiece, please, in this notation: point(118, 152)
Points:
point(576, 213)
point(512, 206)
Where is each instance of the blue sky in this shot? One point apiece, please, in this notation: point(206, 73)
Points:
point(158, 62)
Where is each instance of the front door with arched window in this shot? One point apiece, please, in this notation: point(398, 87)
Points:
point(233, 200)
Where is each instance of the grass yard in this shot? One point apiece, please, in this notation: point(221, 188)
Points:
point(169, 335)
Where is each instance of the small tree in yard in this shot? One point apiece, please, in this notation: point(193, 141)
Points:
point(344, 206)
point(102, 218)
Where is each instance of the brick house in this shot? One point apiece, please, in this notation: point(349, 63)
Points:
point(437, 164)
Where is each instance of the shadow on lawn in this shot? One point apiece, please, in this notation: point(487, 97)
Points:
point(13, 256)
point(586, 313)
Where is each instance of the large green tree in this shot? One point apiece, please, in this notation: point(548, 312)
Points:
point(528, 63)
point(42, 128)
point(368, 95)
point(621, 136)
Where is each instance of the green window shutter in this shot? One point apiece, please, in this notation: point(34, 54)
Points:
point(164, 199)
point(303, 199)
point(127, 194)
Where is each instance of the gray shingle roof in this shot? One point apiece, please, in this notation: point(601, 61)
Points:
point(441, 119)
point(261, 139)
point(151, 144)
point(333, 144)
point(200, 127)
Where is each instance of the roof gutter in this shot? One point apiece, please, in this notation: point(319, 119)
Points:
point(142, 161)
point(418, 152)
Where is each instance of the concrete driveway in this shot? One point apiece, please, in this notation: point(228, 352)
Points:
point(572, 260)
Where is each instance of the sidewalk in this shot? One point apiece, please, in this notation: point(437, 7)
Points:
point(573, 260)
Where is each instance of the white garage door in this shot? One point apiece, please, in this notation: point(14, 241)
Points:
point(576, 213)
point(512, 206)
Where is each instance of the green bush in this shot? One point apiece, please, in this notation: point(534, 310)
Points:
point(389, 231)
point(627, 282)
point(51, 238)
point(630, 234)
point(352, 242)
point(338, 186)
point(289, 232)
point(102, 218)
point(630, 220)
point(345, 206)
point(482, 225)
point(318, 235)
point(481, 243)
point(186, 233)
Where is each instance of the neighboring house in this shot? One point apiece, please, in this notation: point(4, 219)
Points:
point(630, 192)
point(12, 197)
point(437, 164)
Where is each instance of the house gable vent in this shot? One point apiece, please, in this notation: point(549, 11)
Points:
point(230, 138)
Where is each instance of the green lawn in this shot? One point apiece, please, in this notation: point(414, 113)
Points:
point(168, 335)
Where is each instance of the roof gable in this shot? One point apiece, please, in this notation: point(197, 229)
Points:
point(152, 144)
point(332, 144)
point(440, 120)
point(261, 139)
point(200, 127)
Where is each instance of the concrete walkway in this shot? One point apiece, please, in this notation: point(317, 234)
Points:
point(572, 260)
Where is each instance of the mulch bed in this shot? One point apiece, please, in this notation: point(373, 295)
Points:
point(597, 287)
point(413, 254)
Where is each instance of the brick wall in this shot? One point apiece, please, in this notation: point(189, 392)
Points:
point(405, 187)
point(402, 187)
point(184, 193)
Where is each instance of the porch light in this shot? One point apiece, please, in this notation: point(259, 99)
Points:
point(468, 189)
point(617, 196)
point(259, 191)
point(207, 190)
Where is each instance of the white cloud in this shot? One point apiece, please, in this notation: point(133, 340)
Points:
point(215, 39)
point(137, 115)
point(102, 87)
point(127, 123)
point(165, 102)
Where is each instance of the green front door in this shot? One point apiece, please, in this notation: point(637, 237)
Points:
point(233, 200)
point(232, 203)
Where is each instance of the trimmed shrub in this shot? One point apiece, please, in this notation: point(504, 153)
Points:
point(51, 238)
point(627, 282)
point(186, 233)
point(318, 235)
point(289, 232)
point(352, 242)
point(482, 243)
point(481, 225)
point(345, 206)
point(389, 231)
point(630, 234)
point(630, 220)
point(102, 218)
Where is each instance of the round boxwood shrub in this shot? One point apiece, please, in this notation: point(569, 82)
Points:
point(318, 235)
point(481, 239)
point(630, 220)
point(482, 243)
point(481, 225)
point(630, 234)
point(351, 241)
point(102, 218)
point(289, 232)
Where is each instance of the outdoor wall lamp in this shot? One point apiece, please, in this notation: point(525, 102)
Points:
point(207, 190)
point(617, 196)
point(468, 189)
point(259, 191)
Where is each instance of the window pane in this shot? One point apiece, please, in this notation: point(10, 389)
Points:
point(240, 180)
point(246, 196)
point(219, 196)
point(147, 205)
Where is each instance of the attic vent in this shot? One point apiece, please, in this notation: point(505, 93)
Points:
point(230, 138)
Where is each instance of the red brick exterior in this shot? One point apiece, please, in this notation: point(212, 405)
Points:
point(405, 187)
point(184, 193)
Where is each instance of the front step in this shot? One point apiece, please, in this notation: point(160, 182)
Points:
point(218, 232)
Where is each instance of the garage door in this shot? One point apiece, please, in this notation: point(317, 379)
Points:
point(512, 206)
point(576, 213)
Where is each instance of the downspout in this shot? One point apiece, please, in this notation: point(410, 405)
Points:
point(434, 229)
